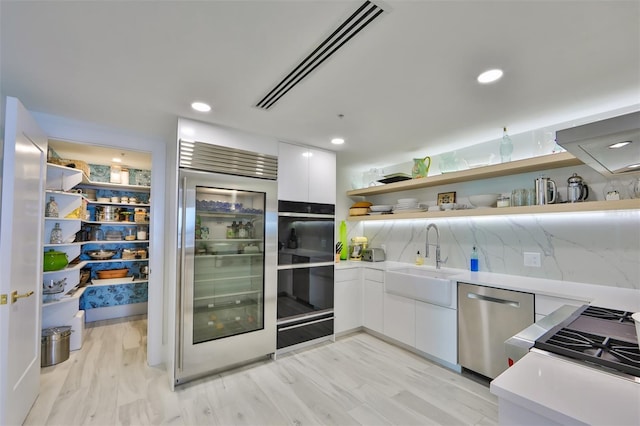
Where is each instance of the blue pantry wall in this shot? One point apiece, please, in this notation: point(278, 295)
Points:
point(106, 231)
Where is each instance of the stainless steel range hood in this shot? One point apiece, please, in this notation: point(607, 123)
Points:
point(594, 144)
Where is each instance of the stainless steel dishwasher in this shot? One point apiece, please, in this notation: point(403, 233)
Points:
point(487, 317)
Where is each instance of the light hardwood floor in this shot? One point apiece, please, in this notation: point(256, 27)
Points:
point(358, 380)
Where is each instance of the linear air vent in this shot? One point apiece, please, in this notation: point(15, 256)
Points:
point(230, 161)
point(362, 17)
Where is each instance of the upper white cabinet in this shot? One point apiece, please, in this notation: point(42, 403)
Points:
point(306, 174)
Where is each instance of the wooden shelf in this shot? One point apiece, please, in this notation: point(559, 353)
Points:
point(589, 206)
point(545, 162)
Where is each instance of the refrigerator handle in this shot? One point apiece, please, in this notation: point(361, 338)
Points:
point(181, 281)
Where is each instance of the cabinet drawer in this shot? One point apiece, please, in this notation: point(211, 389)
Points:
point(374, 275)
point(547, 304)
point(347, 274)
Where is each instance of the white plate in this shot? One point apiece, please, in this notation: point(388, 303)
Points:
point(111, 280)
point(381, 208)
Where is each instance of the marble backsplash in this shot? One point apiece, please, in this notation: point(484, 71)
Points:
point(595, 247)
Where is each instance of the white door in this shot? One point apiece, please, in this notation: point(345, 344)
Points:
point(21, 224)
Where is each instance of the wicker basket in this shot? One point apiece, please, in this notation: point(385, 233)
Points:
point(78, 164)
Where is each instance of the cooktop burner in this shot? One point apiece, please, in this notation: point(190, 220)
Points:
point(608, 314)
point(596, 335)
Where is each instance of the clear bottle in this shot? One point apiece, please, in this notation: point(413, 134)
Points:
point(293, 239)
point(56, 234)
point(51, 209)
point(506, 146)
point(242, 230)
point(419, 258)
point(474, 259)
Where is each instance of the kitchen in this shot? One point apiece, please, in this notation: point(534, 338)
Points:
point(589, 271)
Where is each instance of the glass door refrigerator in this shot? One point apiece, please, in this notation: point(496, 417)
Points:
point(227, 280)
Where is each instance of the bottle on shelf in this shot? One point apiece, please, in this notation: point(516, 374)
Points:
point(242, 230)
point(234, 227)
point(250, 230)
point(293, 239)
point(51, 209)
point(506, 146)
point(56, 234)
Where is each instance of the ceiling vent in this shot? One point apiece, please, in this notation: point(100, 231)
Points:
point(362, 17)
point(231, 161)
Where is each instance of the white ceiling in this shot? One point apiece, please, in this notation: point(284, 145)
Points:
point(406, 84)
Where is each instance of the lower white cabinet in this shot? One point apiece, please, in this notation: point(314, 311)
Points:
point(436, 331)
point(347, 299)
point(373, 300)
point(400, 318)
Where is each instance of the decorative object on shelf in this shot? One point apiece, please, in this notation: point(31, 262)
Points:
point(51, 209)
point(420, 167)
point(448, 162)
point(546, 191)
point(483, 200)
point(53, 286)
point(124, 176)
point(101, 254)
point(56, 234)
point(115, 174)
point(506, 146)
point(395, 177)
point(113, 273)
point(446, 197)
point(504, 201)
point(613, 190)
point(55, 260)
point(577, 190)
point(634, 188)
point(360, 208)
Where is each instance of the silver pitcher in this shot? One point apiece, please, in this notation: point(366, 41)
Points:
point(577, 190)
point(546, 191)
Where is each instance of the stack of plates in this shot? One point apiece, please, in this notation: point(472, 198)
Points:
point(380, 209)
point(407, 205)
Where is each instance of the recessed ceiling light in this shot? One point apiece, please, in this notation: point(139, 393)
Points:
point(116, 160)
point(490, 76)
point(619, 144)
point(201, 106)
point(337, 141)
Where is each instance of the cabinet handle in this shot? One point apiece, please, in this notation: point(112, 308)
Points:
point(15, 296)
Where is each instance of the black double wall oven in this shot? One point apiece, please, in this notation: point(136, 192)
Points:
point(306, 259)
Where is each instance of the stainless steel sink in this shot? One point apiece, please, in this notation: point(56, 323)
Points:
point(427, 285)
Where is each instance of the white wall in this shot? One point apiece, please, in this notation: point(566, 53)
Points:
point(592, 247)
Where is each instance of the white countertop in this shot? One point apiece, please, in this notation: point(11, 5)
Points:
point(598, 295)
point(569, 392)
point(556, 388)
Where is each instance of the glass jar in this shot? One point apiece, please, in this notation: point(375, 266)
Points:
point(51, 209)
point(504, 201)
point(130, 233)
point(56, 234)
point(142, 232)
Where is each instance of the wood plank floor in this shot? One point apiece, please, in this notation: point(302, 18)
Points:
point(358, 380)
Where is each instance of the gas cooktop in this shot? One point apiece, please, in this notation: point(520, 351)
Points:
point(599, 336)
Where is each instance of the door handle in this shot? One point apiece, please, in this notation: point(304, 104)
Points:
point(15, 296)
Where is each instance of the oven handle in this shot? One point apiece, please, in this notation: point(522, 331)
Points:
point(309, 215)
point(493, 300)
point(306, 317)
point(291, 327)
point(305, 265)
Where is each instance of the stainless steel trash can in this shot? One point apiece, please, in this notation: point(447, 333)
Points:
point(54, 345)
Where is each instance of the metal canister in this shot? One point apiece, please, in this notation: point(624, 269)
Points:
point(54, 345)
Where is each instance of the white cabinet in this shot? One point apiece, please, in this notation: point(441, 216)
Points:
point(372, 300)
point(400, 318)
point(306, 174)
point(347, 300)
point(436, 331)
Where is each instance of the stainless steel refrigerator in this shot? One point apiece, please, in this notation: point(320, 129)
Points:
point(227, 283)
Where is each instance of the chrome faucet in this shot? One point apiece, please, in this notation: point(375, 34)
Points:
point(438, 260)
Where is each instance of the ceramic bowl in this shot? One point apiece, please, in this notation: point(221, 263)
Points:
point(484, 200)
